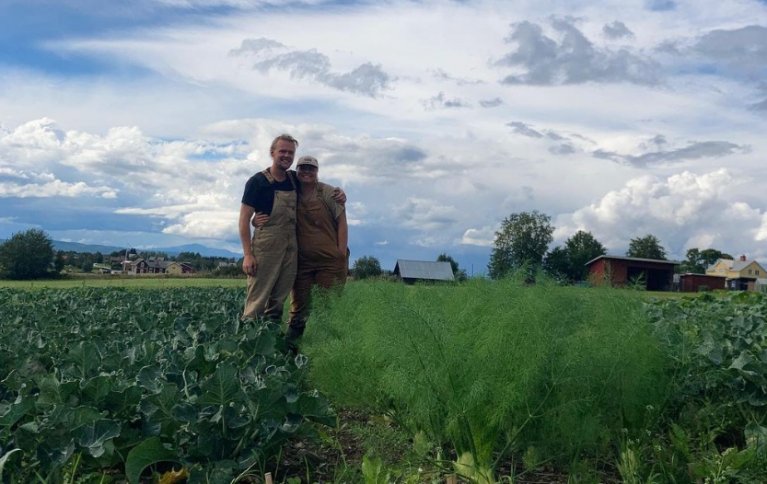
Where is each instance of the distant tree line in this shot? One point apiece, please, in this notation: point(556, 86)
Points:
point(522, 244)
point(31, 255)
point(85, 261)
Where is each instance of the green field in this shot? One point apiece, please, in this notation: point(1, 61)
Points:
point(143, 282)
point(495, 381)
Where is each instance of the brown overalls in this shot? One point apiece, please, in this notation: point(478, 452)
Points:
point(319, 261)
point(274, 247)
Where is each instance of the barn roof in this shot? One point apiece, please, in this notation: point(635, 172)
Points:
point(631, 259)
point(425, 270)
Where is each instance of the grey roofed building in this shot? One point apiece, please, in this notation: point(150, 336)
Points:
point(733, 265)
point(421, 270)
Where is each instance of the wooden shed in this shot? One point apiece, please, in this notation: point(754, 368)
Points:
point(690, 282)
point(411, 271)
point(655, 274)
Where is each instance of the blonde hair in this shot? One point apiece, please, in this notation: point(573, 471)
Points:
point(283, 137)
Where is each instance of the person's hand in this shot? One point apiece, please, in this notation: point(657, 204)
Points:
point(259, 220)
point(249, 265)
point(339, 196)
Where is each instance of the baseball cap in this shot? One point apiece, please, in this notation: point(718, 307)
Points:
point(308, 160)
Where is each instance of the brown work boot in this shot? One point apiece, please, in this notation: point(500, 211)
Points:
point(293, 334)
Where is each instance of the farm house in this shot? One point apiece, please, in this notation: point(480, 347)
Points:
point(656, 275)
point(741, 275)
point(411, 271)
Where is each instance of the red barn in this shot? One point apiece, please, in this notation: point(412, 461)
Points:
point(700, 282)
point(654, 274)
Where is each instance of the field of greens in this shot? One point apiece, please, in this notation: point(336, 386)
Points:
point(500, 381)
point(493, 381)
point(100, 384)
point(128, 282)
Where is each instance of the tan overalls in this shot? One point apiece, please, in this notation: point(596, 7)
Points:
point(319, 261)
point(274, 247)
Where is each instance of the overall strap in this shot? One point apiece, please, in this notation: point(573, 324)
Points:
point(293, 180)
point(271, 180)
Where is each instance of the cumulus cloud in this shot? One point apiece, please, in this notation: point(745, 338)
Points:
point(426, 215)
point(482, 237)
point(377, 139)
point(55, 188)
point(573, 59)
point(32, 143)
point(359, 159)
point(616, 30)
point(693, 150)
point(356, 212)
point(186, 183)
point(761, 232)
point(367, 78)
point(683, 210)
point(214, 224)
point(191, 188)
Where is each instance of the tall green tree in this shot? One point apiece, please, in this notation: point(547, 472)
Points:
point(26, 255)
point(366, 267)
point(581, 248)
point(557, 263)
point(458, 273)
point(647, 247)
point(522, 241)
point(569, 262)
point(697, 261)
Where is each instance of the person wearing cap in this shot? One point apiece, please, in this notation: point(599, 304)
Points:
point(270, 255)
point(323, 237)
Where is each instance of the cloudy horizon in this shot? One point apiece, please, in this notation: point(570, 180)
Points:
point(138, 125)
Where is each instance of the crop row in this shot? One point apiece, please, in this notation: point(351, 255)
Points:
point(485, 377)
point(596, 383)
point(105, 382)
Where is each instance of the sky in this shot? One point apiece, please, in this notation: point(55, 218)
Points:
point(137, 123)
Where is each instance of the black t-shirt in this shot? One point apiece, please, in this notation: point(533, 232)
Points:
point(259, 193)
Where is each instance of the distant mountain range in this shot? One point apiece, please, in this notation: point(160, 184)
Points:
point(106, 249)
